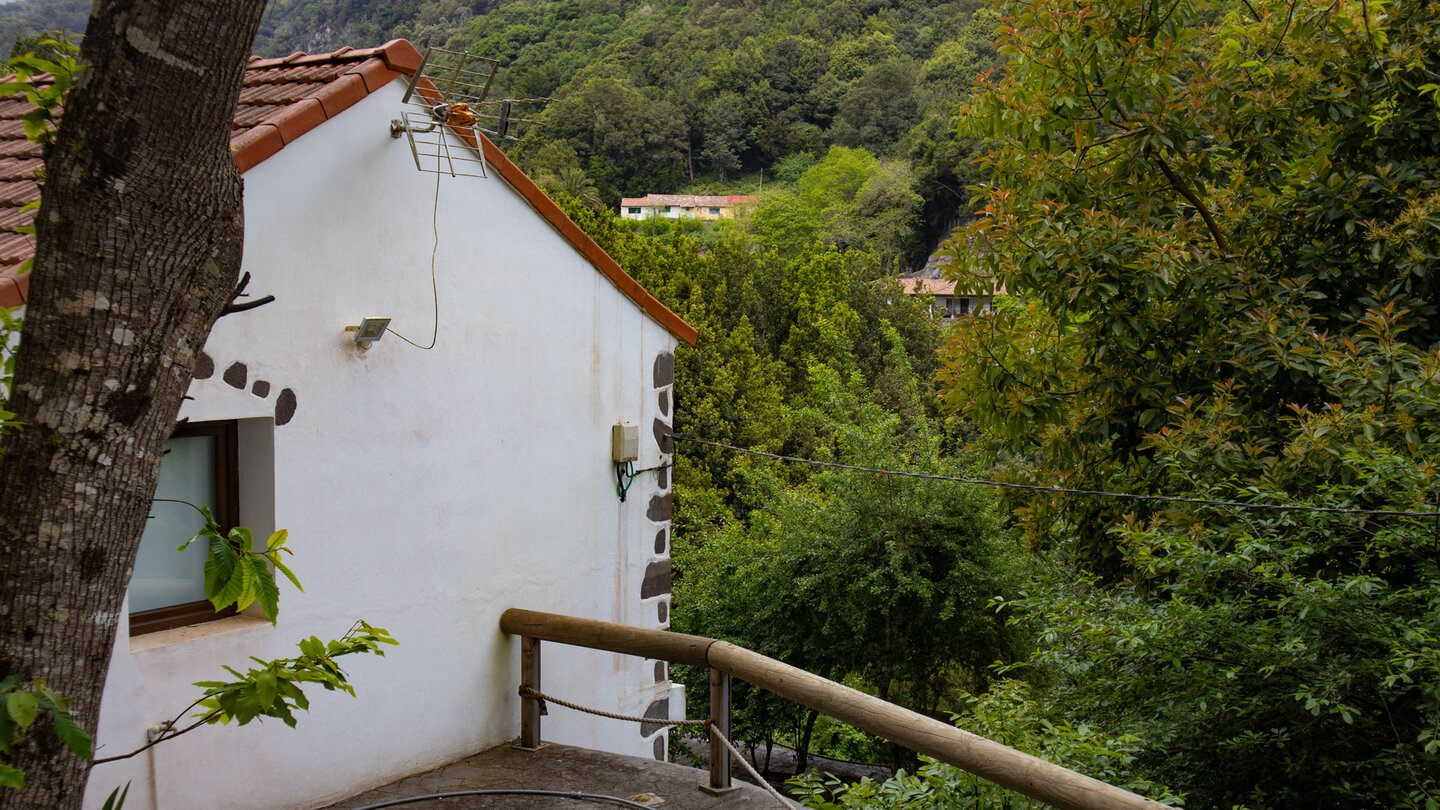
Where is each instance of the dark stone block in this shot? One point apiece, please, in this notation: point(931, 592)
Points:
point(665, 402)
point(261, 389)
point(664, 369)
point(663, 439)
point(662, 610)
point(660, 542)
point(659, 672)
point(657, 580)
point(204, 367)
point(235, 375)
point(660, 508)
point(662, 478)
point(659, 710)
point(659, 749)
point(285, 407)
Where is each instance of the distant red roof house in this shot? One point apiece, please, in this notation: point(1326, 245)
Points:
point(281, 100)
point(674, 206)
point(949, 303)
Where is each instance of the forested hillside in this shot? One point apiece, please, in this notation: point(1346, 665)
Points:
point(671, 95)
point(654, 96)
point(288, 25)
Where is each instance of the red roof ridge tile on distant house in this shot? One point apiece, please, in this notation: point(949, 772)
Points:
point(692, 200)
point(281, 100)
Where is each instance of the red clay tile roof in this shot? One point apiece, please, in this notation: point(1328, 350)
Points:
point(689, 200)
point(282, 99)
point(940, 286)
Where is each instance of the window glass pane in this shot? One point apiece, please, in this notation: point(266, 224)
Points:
point(164, 576)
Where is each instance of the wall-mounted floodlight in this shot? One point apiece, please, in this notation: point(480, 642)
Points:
point(369, 331)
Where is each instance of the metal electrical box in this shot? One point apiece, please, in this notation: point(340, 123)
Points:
point(624, 443)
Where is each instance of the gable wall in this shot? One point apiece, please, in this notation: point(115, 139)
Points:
point(424, 491)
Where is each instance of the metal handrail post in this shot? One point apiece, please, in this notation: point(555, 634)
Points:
point(530, 707)
point(719, 727)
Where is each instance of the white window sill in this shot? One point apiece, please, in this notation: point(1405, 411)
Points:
point(180, 635)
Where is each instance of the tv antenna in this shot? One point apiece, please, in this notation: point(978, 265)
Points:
point(451, 90)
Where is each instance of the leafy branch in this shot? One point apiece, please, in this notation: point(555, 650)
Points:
point(274, 688)
point(23, 705)
point(235, 573)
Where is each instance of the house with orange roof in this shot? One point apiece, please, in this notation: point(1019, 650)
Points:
point(432, 469)
point(675, 206)
point(948, 303)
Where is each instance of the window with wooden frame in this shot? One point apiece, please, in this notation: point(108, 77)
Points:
point(201, 467)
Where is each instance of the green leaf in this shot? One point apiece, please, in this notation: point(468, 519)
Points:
point(265, 688)
point(282, 568)
point(9, 732)
point(116, 799)
point(11, 777)
point(246, 579)
point(312, 647)
point(219, 569)
point(277, 540)
point(72, 735)
point(231, 575)
point(22, 706)
point(242, 539)
point(263, 586)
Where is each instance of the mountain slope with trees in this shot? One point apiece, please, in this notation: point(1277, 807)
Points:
point(660, 96)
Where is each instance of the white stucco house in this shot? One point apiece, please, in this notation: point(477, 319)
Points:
point(425, 488)
point(693, 206)
point(948, 302)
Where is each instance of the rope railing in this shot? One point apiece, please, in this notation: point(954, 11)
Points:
point(1029, 775)
point(542, 698)
point(527, 692)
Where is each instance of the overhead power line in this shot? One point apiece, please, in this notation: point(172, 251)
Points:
point(990, 482)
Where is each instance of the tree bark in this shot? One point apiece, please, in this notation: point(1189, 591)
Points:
point(802, 751)
point(139, 240)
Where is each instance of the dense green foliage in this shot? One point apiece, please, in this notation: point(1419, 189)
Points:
point(25, 19)
point(657, 96)
point(1009, 714)
point(1223, 221)
point(325, 25)
point(661, 96)
point(883, 583)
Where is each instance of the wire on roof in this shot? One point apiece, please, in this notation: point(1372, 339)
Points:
point(1272, 507)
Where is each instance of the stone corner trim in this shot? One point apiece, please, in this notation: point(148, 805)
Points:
point(658, 710)
point(657, 580)
point(661, 508)
point(664, 373)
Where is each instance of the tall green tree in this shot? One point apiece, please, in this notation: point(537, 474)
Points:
point(882, 582)
point(1222, 221)
point(849, 199)
point(1188, 198)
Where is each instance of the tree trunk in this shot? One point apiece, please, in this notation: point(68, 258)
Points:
point(139, 240)
point(802, 753)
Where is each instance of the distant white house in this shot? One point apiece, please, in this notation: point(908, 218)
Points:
point(947, 302)
point(425, 489)
point(674, 206)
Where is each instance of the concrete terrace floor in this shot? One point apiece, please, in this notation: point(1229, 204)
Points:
point(563, 768)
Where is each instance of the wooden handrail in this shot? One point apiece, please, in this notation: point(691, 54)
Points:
point(1016, 770)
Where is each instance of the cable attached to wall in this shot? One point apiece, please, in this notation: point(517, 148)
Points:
point(624, 477)
point(434, 287)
